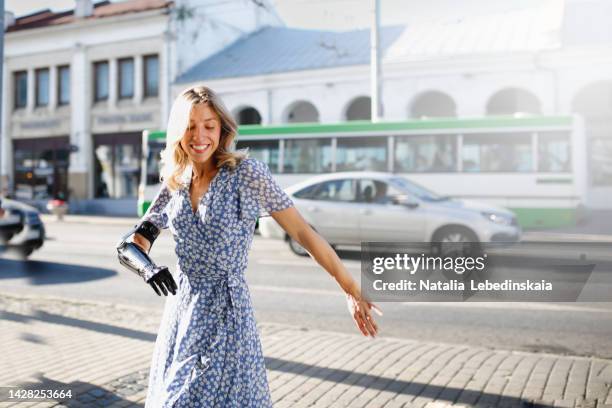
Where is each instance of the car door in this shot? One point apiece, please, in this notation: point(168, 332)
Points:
point(385, 214)
point(331, 208)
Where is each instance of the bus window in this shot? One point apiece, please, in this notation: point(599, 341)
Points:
point(153, 162)
point(425, 154)
point(262, 150)
point(307, 156)
point(503, 152)
point(361, 154)
point(554, 153)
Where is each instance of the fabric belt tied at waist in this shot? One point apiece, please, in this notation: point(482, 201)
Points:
point(234, 285)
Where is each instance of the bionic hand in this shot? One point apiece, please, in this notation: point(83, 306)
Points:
point(135, 259)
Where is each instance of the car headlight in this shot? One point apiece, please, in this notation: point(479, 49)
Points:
point(497, 218)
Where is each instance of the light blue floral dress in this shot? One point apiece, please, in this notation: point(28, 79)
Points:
point(208, 352)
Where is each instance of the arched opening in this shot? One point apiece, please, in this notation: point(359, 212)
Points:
point(433, 104)
point(302, 111)
point(248, 115)
point(513, 100)
point(359, 109)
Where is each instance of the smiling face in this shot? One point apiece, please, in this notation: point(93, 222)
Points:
point(201, 138)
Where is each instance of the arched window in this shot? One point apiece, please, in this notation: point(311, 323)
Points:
point(513, 100)
point(248, 115)
point(359, 109)
point(302, 111)
point(433, 104)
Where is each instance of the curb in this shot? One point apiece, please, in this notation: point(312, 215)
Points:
point(282, 326)
point(90, 219)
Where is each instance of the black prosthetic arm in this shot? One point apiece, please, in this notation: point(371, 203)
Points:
point(136, 260)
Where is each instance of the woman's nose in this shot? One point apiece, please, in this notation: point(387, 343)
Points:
point(200, 132)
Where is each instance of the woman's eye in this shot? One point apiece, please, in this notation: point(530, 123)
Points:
point(210, 127)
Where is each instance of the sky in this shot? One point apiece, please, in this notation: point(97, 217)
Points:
point(338, 14)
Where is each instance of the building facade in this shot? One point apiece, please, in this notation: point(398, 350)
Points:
point(81, 86)
point(540, 60)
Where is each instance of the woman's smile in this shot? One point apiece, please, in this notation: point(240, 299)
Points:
point(200, 148)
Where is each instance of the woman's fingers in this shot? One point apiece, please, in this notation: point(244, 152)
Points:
point(362, 316)
point(376, 308)
point(368, 323)
point(365, 324)
point(360, 325)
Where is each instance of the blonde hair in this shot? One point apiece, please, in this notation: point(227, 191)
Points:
point(174, 159)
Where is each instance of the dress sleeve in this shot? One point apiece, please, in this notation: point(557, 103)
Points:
point(157, 213)
point(260, 193)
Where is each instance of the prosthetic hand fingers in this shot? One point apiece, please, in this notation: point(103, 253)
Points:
point(170, 283)
point(163, 280)
point(160, 283)
point(154, 286)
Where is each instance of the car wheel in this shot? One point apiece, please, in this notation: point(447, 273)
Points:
point(297, 248)
point(25, 252)
point(454, 242)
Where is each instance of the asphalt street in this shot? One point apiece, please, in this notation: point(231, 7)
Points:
point(79, 261)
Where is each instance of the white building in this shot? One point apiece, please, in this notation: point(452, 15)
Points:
point(128, 60)
point(552, 58)
point(81, 85)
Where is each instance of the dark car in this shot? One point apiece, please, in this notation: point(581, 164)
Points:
point(21, 229)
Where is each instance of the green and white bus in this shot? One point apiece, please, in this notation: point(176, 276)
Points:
point(533, 165)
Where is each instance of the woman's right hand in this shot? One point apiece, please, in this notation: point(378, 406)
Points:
point(361, 309)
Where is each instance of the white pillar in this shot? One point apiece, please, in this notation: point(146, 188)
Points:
point(113, 83)
point(7, 148)
point(138, 79)
point(52, 87)
point(268, 118)
point(80, 101)
point(165, 77)
point(31, 100)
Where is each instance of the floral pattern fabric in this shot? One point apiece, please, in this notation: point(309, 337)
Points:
point(208, 352)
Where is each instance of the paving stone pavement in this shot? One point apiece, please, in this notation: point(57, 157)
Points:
point(101, 352)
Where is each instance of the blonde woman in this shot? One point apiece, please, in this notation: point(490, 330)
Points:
point(208, 352)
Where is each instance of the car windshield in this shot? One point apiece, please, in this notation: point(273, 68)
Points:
point(416, 190)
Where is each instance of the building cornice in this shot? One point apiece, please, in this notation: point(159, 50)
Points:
point(84, 24)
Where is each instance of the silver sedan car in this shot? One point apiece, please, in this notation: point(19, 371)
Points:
point(353, 207)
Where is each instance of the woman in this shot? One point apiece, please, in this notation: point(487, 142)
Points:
point(208, 352)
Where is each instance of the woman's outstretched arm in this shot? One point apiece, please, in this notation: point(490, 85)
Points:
point(296, 226)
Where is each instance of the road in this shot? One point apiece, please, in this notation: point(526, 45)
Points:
point(79, 261)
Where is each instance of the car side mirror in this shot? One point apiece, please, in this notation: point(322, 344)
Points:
point(404, 201)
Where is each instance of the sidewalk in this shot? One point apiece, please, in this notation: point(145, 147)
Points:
point(101, 352)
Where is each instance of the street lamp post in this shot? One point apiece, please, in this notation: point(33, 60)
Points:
point(375, 69)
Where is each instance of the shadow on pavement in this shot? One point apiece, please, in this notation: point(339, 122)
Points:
point(82, 324)
point(434, 392)
point(85, 394)
point(51, 273)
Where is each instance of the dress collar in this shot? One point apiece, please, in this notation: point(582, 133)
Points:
point(219, 180)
